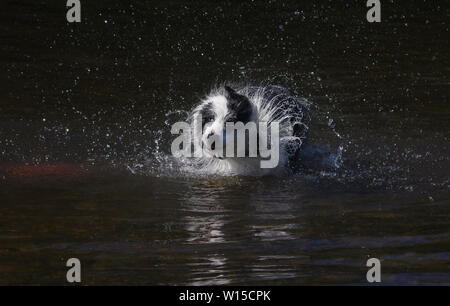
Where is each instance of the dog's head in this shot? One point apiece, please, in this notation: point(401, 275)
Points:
point(219, 109)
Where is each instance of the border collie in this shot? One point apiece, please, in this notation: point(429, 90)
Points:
point(237, 103)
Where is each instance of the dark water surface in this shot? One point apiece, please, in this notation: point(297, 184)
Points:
point(86, 170)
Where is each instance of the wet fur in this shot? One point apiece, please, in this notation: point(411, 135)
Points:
point(232, 102)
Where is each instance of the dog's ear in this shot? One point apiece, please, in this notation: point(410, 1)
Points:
point(237, 101)
point(229, 92)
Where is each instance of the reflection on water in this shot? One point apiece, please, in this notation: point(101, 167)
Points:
point(142, 230)
point(85, 169)
point(205, 222)
point(205, 229)
point(206, 216)
point(209, 273)
point(268, 233)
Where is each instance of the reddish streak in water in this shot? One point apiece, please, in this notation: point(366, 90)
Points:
point(59, 170)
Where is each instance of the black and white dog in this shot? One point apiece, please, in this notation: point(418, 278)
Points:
point(237, 103)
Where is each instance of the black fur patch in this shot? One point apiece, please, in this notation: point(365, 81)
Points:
point(207, 114)
point(239, 106)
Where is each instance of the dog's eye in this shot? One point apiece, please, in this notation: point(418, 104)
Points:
point(231, 118)
point(207, 119)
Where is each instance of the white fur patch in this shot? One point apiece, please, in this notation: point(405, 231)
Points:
point(270, 104)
